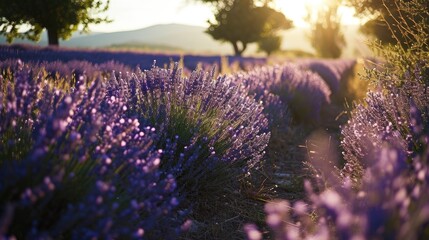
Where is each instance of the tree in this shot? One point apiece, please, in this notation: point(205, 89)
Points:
point(394, 21)
point(326, 36)
point(269, 44)
point(60, 18)
point(241, 22)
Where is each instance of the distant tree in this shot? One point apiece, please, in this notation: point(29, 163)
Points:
point(394, 21)
point(60, 18)
point(241, 22)
point(269, 44)
point(326, 36)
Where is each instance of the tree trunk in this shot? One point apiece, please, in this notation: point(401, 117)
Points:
point(244, 46)
point(53, 37)
point(237, 51)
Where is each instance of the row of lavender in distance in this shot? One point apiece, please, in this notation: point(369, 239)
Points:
point(301, 92)
point(131, 59)
point(68, 72)
point(335, 73)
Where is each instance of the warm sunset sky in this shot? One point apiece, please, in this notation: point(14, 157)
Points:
point(135, 14)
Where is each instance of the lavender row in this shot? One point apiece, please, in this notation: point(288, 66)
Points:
point(302, 92)
point(382, 192)
point(130, 59)
point(65, 71)
point(333, 72)
point(280, 88)
point(392, 201)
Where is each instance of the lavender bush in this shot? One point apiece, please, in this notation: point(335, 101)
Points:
point(212, 132)
point(385, 116)
point(72, 165)
point(333, 72)
point(302, 91)
point(256, 82)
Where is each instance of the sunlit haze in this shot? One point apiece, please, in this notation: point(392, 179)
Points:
point(135, 14)
point(297, 11)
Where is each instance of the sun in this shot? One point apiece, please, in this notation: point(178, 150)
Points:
point(297, 11)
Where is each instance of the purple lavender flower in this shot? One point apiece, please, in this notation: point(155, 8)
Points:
point(333, 72)
point(385, 116)
point(73, 165)
point(391, 203)
point(210, 130)
point(31, 53)
point(293, 86)
point(390, 197)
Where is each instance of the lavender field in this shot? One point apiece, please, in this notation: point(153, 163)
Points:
point(109, 143)
point(110, 150)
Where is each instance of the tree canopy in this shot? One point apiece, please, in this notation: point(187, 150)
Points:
point(28, 18)
point(241, 22)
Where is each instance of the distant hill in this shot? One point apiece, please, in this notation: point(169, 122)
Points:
point(188, 38)
point(192, 39)
point(44, 38)
point(147, 47)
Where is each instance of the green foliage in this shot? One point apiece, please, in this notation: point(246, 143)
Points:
point(59, 18)
point(241, 22)
point(407, 24)
point(395, 21)
point(326, 36)
point(19, 148)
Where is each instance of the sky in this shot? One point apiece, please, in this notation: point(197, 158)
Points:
point(136, 14)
